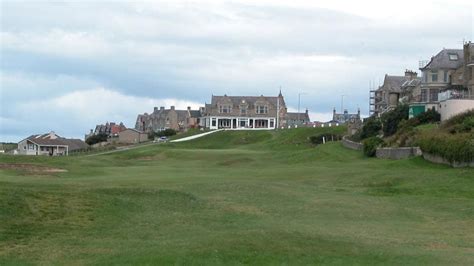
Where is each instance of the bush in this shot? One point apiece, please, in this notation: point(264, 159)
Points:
point(452, 124)
point(390, 120)
point(454, 148)
point(163, 133)
point(371, 144)
point(430, 116)
point(96, 138)
point(318, 139)
point(371, 128)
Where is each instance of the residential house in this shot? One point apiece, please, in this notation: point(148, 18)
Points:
point(132, 136)
point(110, 129)
point(161, 119)
point(49, 144)
point(296, 119)
point(387, 96)
point(441, 72)
point(345, 117)
point(457, 95)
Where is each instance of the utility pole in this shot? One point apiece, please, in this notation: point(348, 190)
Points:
point(299, 103)
point(342, 103)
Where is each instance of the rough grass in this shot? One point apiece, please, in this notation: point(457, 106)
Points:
point(237, 198)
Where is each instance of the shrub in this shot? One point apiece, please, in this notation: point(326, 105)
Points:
point(163, 133)
point(390, 120)
point(371, 128)
point(452, 124)
point(96, 138)
point(430, 116)
point(371, 144)
point(454, 148)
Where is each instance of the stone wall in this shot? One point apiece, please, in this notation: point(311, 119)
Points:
point(438, 159)
point(351, 144)
point(398, 153)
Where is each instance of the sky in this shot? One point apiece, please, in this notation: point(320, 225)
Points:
point(66, 66)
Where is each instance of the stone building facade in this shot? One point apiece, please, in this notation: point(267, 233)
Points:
point(161, 119)
point(249, 112)
point(387, 96)
point(345, 117)
point(442, 71)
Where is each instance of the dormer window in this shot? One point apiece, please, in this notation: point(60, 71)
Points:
point(453, 57)
point(225, 109)
point(261, 109)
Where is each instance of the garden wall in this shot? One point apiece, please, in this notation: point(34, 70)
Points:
point(351, 144)
point(398, 153)
point(438, 159)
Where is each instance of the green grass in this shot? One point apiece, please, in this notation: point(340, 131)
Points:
point(237, 198)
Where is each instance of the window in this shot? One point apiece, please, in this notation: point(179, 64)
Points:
point(434, 95)
point(261, 109)
point(225, 109)
point(424, 95)
point(213, 122)
point(445, 78)
point(434, 76)
point(453, 57)
point(272, 123)
point(31, 146)
point(243, 110)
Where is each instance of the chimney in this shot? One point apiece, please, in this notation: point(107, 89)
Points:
point(333, 110)
point(306, 110)
point(345, 111)
point(162, 108)
point(155, 109)
point(189, 108)
point(358, 112)
point(172, 107)
point(201, 109)
point(410, 74)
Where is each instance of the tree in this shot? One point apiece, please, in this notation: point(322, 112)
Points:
point(101, 137)
point(390, 120)
point(371, 128)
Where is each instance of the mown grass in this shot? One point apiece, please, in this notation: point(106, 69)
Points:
point(237, 198)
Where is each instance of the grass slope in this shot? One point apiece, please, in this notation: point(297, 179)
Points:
point(237, 198)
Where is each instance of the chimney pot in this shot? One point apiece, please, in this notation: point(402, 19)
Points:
point(162, 108)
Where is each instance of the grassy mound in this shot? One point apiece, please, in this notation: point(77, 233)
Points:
point(236, 198)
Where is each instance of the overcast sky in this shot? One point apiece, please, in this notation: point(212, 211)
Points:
point(67, 66)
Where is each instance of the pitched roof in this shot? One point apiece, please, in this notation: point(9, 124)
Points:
point(46, 140)
point(195, 114)
point(43, 139)
point(75, 144)
point(250, 100)
point(295, 116)
point(443, 61)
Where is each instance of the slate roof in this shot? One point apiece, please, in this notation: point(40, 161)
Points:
point(195, 114)
point(294, 116)
point(442, 61)
point(250, 100)
point(393, 83)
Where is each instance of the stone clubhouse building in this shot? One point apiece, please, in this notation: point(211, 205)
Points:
point(226, 112)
